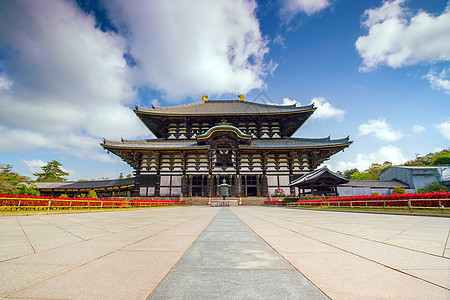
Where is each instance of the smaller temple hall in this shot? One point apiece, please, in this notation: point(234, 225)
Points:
point(198, 145)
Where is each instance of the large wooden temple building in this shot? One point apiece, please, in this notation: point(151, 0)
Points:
point(197, 145)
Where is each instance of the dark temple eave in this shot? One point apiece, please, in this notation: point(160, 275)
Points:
point(255, 144)
point(156, 119)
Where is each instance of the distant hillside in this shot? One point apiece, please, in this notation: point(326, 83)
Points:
point(431, 159)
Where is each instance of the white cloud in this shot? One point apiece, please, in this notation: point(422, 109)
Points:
point(33, 166)
point(64, 83)
point(287, 101)
point(194, 47)
point(397, 37)
point(5, 84)
point(444, 129)
point(325, 110)
point(380, 129)
point(67, 82)
point(439, 81)
point(389, 10)
point(363, 161)
point(279, 40)
point(289, 8)
point(418, 128)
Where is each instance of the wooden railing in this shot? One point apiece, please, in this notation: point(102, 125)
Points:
point(441, 204)
point(23, 203)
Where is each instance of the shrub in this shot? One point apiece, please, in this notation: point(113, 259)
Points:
point(398, 190)
point(436, 187)
point(63, 196)
point(92, 194)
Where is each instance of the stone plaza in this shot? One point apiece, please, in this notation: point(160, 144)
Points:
point(245, 252)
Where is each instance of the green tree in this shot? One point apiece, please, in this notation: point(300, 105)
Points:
point(14, 184)
point(51, 172)
point(348, 173)
point(431, 159)
point(372, 173)
point(441, 159)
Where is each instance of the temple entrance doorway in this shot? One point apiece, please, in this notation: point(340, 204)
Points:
point(252, 191)
point(250, 185)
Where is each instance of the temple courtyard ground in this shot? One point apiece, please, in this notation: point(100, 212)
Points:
point(246, 252)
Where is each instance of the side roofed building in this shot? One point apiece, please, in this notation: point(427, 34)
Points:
point(197, 145)
point(418, 176)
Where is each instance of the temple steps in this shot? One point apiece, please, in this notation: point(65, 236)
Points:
point(256, 201)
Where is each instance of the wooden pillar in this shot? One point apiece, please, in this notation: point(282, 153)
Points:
point(158, 173)
point(291, 171)
point(237, 180)
point(184, 177)
point(264, 184)
point(210, 174)
point(258, 185)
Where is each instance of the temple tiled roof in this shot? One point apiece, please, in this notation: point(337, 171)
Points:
point(224, 107)
point(316, 175)
point(83, 184)
point(254, 144)
point(153, 144)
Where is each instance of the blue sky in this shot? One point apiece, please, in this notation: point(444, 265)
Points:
point(71, 72)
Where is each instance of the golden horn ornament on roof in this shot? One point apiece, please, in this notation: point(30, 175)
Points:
point(204, 98)
point(241, 97)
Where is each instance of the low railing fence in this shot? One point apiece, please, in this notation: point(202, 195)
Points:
point(441, 204)
point(23, 203)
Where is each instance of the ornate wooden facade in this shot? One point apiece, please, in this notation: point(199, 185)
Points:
point(198, 145)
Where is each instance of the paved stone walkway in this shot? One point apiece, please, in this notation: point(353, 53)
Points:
point(360, 256)
point(229, 261)
point(161, 252)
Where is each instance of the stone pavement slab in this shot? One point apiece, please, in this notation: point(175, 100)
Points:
point(229, 261)
point(347, 266)
point(127, 264)
point(309, 254)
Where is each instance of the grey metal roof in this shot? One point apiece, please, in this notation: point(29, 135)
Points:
point(84, 184)
point(224, 107)
point(376, 183)
point(255, 143)
point(316, 174)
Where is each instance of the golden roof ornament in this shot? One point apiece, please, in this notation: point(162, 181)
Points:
point(204, 98)
point(241, 97)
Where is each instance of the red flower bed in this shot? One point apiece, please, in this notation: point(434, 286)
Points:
point(421, 200)
point(46, 201)
point(146, 202)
